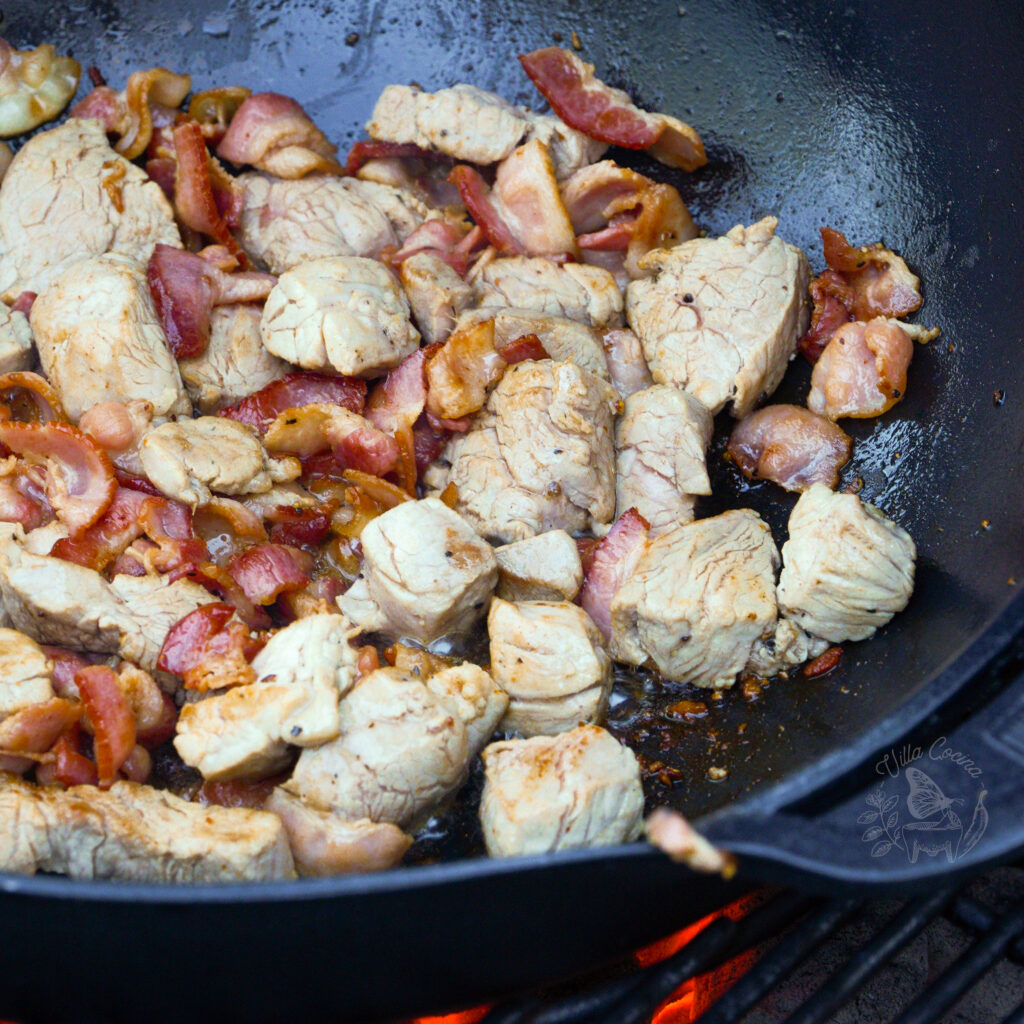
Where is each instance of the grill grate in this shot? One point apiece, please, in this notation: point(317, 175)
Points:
point(804, 924)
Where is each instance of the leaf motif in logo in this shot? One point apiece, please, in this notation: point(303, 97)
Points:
point(872, 833)
point(867, 817)
point(897, 834)
point(890, 804)
point(893, 819)
point(880, 849)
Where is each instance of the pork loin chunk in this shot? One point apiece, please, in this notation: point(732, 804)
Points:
point(565, 792)
point(301, 675)
point(721, 316)
point(235, 363)
point(345, 314)
point(190, 459)
point(285, 223)
point(68, 196)
point(548, 657)
point(660, 442)
point(700, 598)
point(577, 291)
point(324, 844)
point(25, 673)
point(425, 573)
point(786, 648)
point(135, 833)
point(847, 569)
point(15, 340)
point(100, 339)
point(539, 458)
point(542, 568)
point(437, 295)
point(400, 752)
point(473, 696)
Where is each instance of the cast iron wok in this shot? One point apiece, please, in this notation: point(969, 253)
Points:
point(888, 121)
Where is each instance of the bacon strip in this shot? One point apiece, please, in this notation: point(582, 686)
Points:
point(477, 197)
point(399, 399)
point(209, 649)
point(368, 149)
point(259, 410)
point(612, 560)
point(267, 570)
point(609, 115)
point(31, 397)
point(442, 239)
point(109, 536)
point(80, 482)
point(460, 372)
point(112, 720)
point(35, 729)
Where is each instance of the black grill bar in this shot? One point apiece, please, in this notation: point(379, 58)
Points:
point(909, 922)
point(1017, 1017)
point(944, 991)
point(977, 918)
point(788, 953)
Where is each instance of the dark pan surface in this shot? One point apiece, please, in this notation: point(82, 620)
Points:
point(887, 121)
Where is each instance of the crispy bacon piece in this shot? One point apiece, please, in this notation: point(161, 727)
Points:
point(862, 372)
point(80, 482)
point(300, 527)
point(609, 115)
point(185, 288)
point(428, 443)
point(112, 719)
point(16, 507)
point(35, 729)
point(443, 239)
point(832, 298)
point(218, 581)
point(273, 133)
point(482, 208)
point(267, 570)
point(529, 346)
point(790, 446)
point(30, 398)
point(369, 149)
point(367, 662)
point(460, 372)
point(71, 767)
point(65, 665)
point(384, 494)
point(259, 410)
point(399, 399)
point(237, 792)
point(109, 536)
point(824, 663)
point(612, 560)
point(209, 649)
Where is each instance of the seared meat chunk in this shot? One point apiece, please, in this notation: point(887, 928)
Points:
point(563, 339)
point(245, 731)
point(722, 316)
point(586, 294)
point(235, 363)
point(542, 568)
point(627, 366)
point(548, 657)
point(425, 573)
point(285, 223)
point(660, 443)
point(68, 196)
point(189, 459)
point(25, 673)
point(100, 339)
point(15, 340)
point(400, 752)
point(540, 457)
point(786, 648)
point(701, 597)
point(345, 314)
point(437, 295)
point(848, 569)
point(473, 696)
point(565, 792)
point(324, 844)
point(135, 833)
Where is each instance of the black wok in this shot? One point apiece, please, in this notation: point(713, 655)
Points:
point(900, 121)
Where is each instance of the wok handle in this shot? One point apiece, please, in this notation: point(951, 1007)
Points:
point(927, 810)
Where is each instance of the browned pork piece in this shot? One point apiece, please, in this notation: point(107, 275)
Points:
point(135, 833)
point(245, 732)
point(425, 573)
point(404, 746)
point(700, 598)
point(790, 446)
point(100, 339)
point(235, 363)
point(565, 792)
point(66, 196)
point(560, 337)
point(586, 294)
point(285, 223)
point(786, 648)
point(540, 457)
point(345, 314)
point(660, 443)
point(847, 569)
point(324, 844)
point(722, 316)
point(548, 657)
point(25, 673)
point(542, 568)
point(58, 602)
point(437, 295)
point(190, 459)
point(15, 340)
